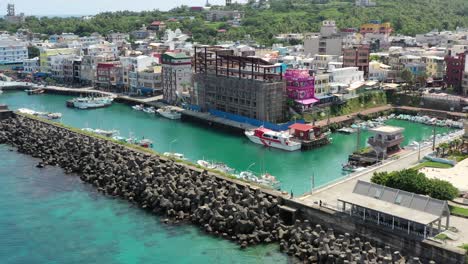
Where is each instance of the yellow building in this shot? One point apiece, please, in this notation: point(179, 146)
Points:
point(435, 66)
point(45, 55)
point(377, 28)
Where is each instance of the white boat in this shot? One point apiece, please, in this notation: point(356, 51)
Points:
point(270, 138)
point(346, 130)
point(146, 143)
point(46, 115)
point(138, 107)
point(92, 102)
point(149, 110)
point(265, 179)
point(169, 112)
point(174, 155)
point(1, 91)
point(106, 133)
point(216, 166)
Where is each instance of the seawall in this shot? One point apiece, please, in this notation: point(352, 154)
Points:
point(220, 206)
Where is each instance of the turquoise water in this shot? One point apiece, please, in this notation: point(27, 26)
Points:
point(49, 217)
point(293, 169)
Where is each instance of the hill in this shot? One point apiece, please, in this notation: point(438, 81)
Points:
point(407, 17)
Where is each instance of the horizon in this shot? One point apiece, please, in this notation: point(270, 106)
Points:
point(51, 8)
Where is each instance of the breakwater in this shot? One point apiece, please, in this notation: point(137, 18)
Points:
point(179, 192)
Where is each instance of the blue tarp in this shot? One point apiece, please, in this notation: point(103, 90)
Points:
point(252, 121)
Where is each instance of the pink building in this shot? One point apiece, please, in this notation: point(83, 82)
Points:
point(300, 87)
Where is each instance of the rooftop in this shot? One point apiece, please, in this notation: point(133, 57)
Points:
point(410, 206)
point(387, 130)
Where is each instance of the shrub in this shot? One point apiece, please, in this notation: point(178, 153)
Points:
point(411, 180)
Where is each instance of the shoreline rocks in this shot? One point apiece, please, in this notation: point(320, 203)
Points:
point(178, 193)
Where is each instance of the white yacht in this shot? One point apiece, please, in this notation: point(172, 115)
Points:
point(92, 102)
point(169, 112)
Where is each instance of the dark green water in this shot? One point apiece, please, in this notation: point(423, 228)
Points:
point(49, 217)
point(293, 169)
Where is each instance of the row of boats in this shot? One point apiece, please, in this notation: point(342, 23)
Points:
point(427, 120)
point(46, 115)
point(114, 134)
point(91, 102)
point(167, 111)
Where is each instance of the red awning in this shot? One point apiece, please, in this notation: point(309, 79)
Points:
point(301, 127)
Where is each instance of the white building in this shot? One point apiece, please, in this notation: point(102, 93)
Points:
point(31, 65)
point(343, 77)
point(378, 71)
point(131, 66)
point(321, 62)
point(57, 63)
point(433, 38)
point(176, 76)
point(12, 51)
point(108, 50)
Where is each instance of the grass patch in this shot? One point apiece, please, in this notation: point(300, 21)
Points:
point(458, 158)
point(455, 210)
point(464, 246)
point(432, 164)
point(442, 237)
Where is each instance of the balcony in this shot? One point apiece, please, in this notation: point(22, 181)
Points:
point(386, 143)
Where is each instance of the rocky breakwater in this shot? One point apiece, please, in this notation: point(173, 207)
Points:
point(178, 192)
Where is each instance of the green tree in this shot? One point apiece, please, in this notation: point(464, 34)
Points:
point(33, 52)
point(442, 190)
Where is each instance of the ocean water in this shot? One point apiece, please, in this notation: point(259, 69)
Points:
point(293, 169)
point(49, 217)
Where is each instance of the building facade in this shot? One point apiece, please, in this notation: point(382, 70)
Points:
point(31, 65)
point(435, 67)
point(300, 88)
point(242, 86)
point(176, 75)
point(455, 69)
point(108, 75)
point(12, 51)
point(47, 54)
point(88, 68)
point(357, 56)
point(378, 71)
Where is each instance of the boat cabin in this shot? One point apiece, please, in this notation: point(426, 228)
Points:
point(304, 131)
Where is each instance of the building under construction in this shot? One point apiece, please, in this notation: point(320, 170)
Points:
point(244, 86)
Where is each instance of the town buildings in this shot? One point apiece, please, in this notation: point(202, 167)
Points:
point(242, 87)
point(220, 15)
point(176, 76)
point(386, 140)
point(327, 42)
point(12, 51)
point(108, 76)
point(47, 58)
point(31, 65)
point(435, 66)
point(89, 68)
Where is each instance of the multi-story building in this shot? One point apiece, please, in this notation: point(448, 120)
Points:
point(435, 66)
point(131, 67)
point(321, 62)
point(108, 50)
point(300, 88)
point(60, 65)
point(357, 56)
point(416, 68)
point(63, 38)
point(386, 140)
point(72, 69)
point(31, 65)
point(378, 71)
point(322, 84)
point(346, 76)
point(88, 68)
point(238, 86)
point(219, 15)
point(109, 75)
point(432, 39)
point(376, 33)
point(12, 51)
point(176, 75)
point(118, 38)
point(148, 81)
point(328, 42)
point(47, 54)
point(455, 69)
point(465, 86)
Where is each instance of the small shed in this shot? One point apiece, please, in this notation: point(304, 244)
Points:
point(304, 131)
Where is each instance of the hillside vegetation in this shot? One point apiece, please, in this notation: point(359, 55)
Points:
point(407, 17)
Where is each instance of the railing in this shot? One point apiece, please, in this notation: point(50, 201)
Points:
point(385, 143)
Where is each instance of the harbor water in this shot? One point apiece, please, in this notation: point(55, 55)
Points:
point(49, 217)
point(293, 169)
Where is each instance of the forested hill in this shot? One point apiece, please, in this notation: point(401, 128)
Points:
point(407, 17)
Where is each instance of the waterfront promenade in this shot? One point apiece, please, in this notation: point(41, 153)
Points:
point(329, 194)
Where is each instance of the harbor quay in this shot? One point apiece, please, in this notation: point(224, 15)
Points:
point(245, 213)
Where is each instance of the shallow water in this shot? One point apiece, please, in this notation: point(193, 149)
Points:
point(49, 217)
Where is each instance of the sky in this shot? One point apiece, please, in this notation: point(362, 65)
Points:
point(91, 7)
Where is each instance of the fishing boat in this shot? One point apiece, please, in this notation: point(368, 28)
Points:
point(106, 133)
point(264, 179)
point(146, 143)
point(138, 107)
point(270, 138)
point(352, 168)
point(149, 110)
point(216, 166)
point(174, 155)
point(169, 112)
point(46, 115)
point(91, 102)
point(346, 130)
point(33, 91)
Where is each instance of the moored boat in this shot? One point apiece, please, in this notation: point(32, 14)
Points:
point(106, 133)
point(139, 107)
point(146, 143)
point(219, 166)
point(34, 91)
point(149, 110)
point(169, 112)
point(46, 115)
point(91, 102)
point(174, 155)
point(270, 138)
